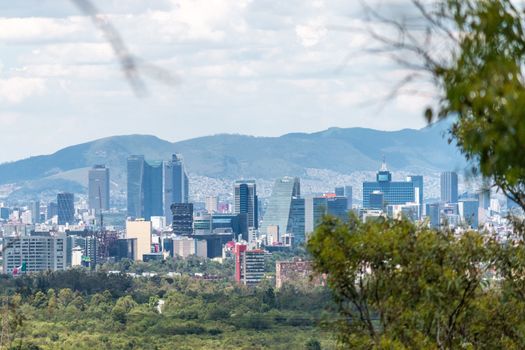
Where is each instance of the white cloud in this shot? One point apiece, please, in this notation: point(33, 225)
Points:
point(310, 34)
point(17, 89)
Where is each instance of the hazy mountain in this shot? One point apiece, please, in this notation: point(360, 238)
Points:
point(235, 156)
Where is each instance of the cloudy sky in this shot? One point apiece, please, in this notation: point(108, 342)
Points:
point(258, 67)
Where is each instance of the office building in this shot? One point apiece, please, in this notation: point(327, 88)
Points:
point(249, 265)
point(145, 188)
point(35, 212)
point(468, 211)
point(51, 210)
point(237, 223)
point(449, 187)
point(176, 184)
point(182, 218)
point(417, 180)
point(376, 200)
point(338, 207)
point(98, 188)
point(141, 231)
point(484, 198)
point(296, 220)
point(246, 201)
point(186, 246)
point(314, 209)
point(280, 205)
point(345, 191)
point(36, 253)
point(66, 208)
point(394, 192)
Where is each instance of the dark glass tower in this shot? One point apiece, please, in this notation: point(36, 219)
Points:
point(182, 218)
point(66, 208)
point(145, 192)
point(176, 184)
point(246, 201)
point(135, 191)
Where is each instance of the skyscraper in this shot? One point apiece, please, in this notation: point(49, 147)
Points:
point(135, 192)
point(176, 184)
point(98, 188)
point(283, 210)
point(394, 192)
point(449, 187)
point(35, 212)
point(314, 209)
point(152, 189)
point(246, 201)
point(345, 191)
point(338, 207)
point(145, 191)
point(417, 180)
point(66, 208)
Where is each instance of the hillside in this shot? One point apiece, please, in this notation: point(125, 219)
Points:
point(233, 156)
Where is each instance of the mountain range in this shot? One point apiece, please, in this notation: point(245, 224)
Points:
point(228, 156)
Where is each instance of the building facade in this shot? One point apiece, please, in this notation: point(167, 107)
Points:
point(449, 187)
point(37, 253)
point(66, 208)
point(182, 218)
point(246, 201)
point(394, 192)
point(98, 188)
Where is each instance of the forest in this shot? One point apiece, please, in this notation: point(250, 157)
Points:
point(97, 310)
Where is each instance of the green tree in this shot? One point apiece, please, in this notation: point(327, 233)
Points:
point(398, 285)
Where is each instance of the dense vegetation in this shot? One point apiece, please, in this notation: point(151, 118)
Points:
point(94, 310)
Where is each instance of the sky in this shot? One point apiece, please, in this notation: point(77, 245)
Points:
point(253, 67)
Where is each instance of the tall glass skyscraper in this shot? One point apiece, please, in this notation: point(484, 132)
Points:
point(66, 208)
point(246, 201)
point(176, 184)
point(315, 209)
point(152, 188)
point(98, 188)
point(393, 192)
point(135, 186)
point(145, 192)
point(283, 208)
point(449, 187)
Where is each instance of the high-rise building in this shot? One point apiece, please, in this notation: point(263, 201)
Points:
point(449, 187)
point(484, 198)
point(249, 265)
point(98, 188)
point(35, 212)
point(345, 191)
point(182, 218)
point(394, 192)
point(468, 211)
point(66, 208)
point(51, 210)
point(376, 200)
point(35, 253)
point(176, 184)
point(417, 180)
point(145, 191)
point(338, 207)
point(246, 201)
point(135, 193)
point(153, 195)
point(279, 211)
point(296, 221)
point(141, 231)
point(314, 209)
